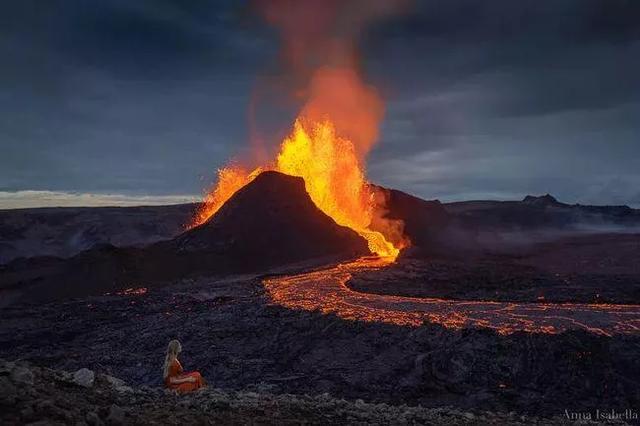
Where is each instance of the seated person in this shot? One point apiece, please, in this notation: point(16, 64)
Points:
point(174, 376)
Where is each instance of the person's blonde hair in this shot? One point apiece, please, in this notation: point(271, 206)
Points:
point(173, 349)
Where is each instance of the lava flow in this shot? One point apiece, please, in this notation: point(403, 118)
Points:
point(325, 291)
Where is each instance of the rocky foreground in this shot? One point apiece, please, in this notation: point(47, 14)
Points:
point(34, 395)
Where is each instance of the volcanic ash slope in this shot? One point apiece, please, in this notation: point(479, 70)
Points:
point(270, 222)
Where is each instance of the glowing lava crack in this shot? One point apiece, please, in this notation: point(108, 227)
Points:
point(325, 291)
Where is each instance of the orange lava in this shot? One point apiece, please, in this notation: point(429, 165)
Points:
point(334, 178)
point(325, 291)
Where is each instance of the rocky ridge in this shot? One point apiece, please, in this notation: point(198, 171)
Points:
point(34, 395)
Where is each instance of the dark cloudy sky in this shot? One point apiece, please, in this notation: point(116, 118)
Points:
point(123, 100)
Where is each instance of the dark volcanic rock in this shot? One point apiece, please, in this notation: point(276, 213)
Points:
point(543, 200)
point(267, 224)
point(593, 268)
point(51, 400)
point(424, 222)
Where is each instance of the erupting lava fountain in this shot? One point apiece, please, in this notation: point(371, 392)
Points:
point(328, 144)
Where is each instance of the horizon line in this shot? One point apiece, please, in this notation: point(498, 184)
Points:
point(33, 199)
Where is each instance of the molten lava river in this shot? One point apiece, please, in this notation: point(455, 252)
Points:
point(334, 177)
point(325, 291)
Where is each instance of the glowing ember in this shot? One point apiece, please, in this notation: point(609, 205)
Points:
point(133, 291)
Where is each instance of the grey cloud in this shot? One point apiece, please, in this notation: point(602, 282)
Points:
point(484, 98)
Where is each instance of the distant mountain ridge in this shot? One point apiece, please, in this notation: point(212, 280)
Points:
point(542, 212)
point(67, 231)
